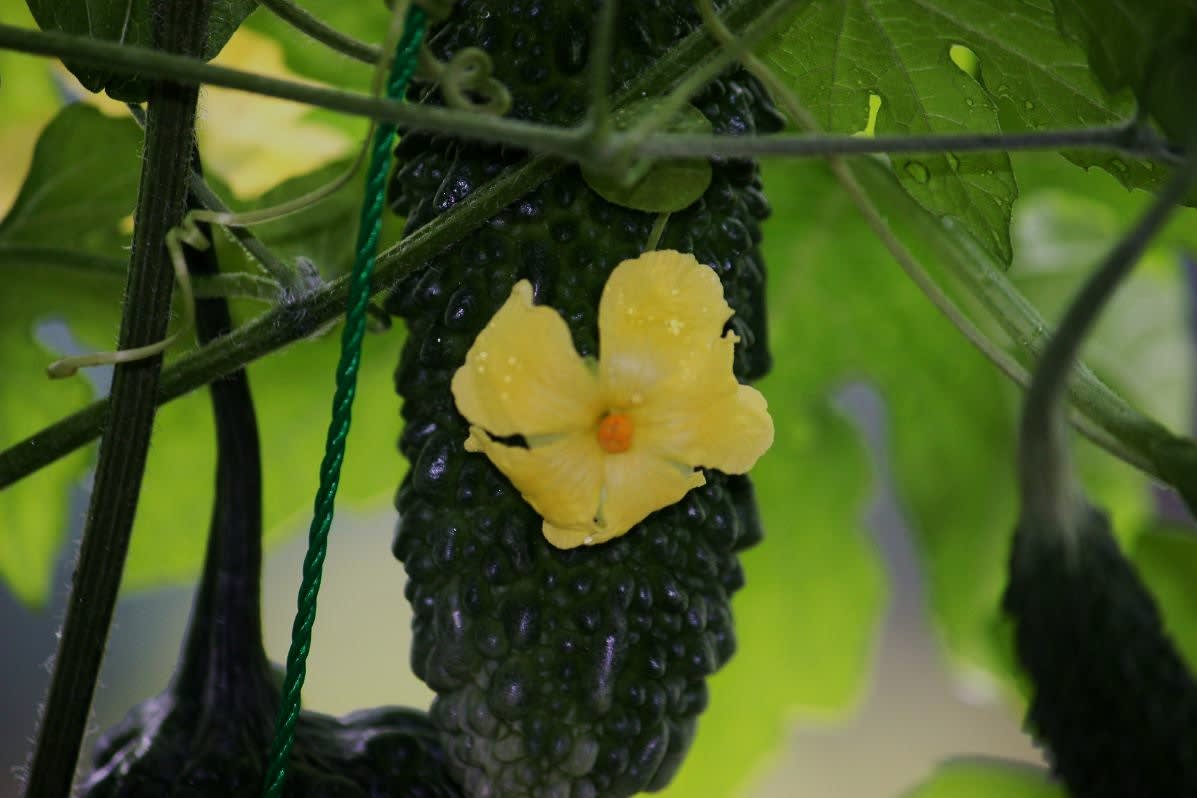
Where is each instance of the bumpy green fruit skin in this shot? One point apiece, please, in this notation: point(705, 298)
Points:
point(1113, 702)
point(579, 673)
point(179, 744)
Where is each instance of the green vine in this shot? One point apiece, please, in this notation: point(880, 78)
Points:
point(1101, 414)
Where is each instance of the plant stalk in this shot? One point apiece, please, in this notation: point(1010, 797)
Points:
point(311, 312)
point(223, 653)
point(567, 143)
point(178, 27)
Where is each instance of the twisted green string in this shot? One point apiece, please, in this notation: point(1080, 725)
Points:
point(342, 409)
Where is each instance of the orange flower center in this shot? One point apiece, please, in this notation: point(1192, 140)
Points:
point(615, 433)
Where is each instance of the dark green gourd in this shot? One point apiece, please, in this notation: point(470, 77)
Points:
point(207, 735)
point(563, 673)
point(1113, 702)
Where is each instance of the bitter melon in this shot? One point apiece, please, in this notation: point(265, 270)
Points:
point(579, 673)
point(1113, 702)
point(208, 734)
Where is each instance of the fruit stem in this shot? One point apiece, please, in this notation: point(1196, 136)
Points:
point(224, 638)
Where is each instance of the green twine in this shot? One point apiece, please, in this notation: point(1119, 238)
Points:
point(338, 429)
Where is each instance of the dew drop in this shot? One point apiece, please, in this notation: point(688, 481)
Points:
point(953, 162)
point(1030, 106)
point(917, 171)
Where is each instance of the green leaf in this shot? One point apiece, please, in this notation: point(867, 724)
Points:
point(323, 233)
point(364, 21)
point(808, 618)
point(127, 22)
point(666, 186)
point(1149, 48)
point(844, 310)
point(1123, 38)
point(30, 98)
point(1166, 558)
point(82, 202)
point(896, 56)
point(81, 185)
point(1065, 223)
point(981, 778)
point(292, 390)
point(35, 513)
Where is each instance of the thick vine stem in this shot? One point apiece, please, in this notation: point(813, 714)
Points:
point(562, 142)
point(179, 27)
point(288, 281)
point(224, 637)
point(1045, 478)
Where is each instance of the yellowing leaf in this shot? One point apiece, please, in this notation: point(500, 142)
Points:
point(252, 142)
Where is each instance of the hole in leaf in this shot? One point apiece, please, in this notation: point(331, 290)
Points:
point(966, 61)
point(870, 128)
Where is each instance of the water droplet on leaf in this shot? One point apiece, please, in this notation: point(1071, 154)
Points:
point(917, 171)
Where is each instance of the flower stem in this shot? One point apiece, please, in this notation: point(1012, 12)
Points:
point(130, 412)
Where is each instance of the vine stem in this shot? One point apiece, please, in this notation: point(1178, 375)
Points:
point(906, 260)
point(161, 201)
point(316, 309)
point(1045, 479)
point(242, 285)
point(308, 23)
point(1113, 424)
point(568, 143)
point(285, 278)
point(1130, 138)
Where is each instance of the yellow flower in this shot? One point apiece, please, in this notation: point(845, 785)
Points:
point(611, 442)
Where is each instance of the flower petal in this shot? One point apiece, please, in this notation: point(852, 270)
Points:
point(522, 376)
point(562, 479)
point(659, 312)
point(717, 423)
point(639, 483)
